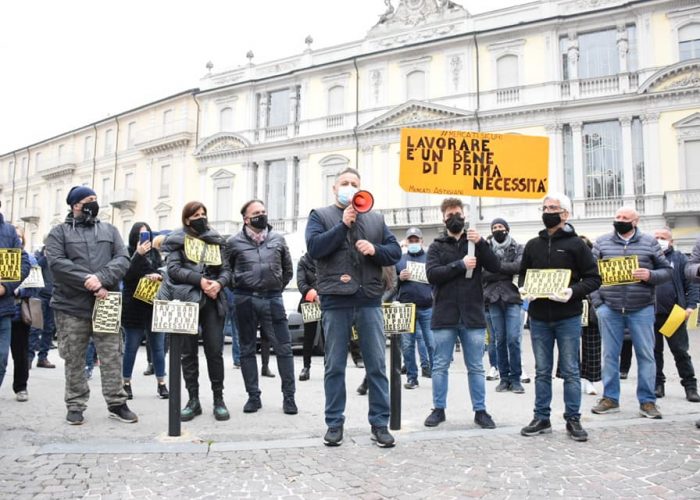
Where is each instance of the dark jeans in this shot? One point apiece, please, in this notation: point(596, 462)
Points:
point(40, 339)
point(678, 343)
point(19, 346)
point(251, 311)
point(310, 330)
point(212, 326)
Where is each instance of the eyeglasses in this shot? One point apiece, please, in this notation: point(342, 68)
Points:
point(551, 208)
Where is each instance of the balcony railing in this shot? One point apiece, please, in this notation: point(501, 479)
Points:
point(508, 96)
point(285, 226)
point(334, 121)
point(166, 136)
point(226, 227)
point(599, 85)
point(411, 216)
point(30, 214)
point(687, 201)
point(124, 198)
point(275, 132)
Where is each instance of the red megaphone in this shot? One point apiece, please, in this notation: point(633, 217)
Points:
point(362, 202)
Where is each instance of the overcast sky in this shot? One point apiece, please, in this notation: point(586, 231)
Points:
point(67, 63)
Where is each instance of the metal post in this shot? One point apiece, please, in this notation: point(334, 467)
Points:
point(175, 390)
point(395, 377)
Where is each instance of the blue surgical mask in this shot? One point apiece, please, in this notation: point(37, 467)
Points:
point(345, 194)
point(414, 247)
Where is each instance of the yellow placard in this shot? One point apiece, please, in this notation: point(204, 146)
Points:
point(201, 252)
point(452, 162)
point(693, 321)
point(10, 264)
point(675, 319)
point(146, 290)
point(618, 270)
point(310, 312)
point(399, 318)
point(541, 283)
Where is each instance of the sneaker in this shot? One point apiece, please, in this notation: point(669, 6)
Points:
point(492, 374)
point(304, 375)
point(75, 417)
point(382, 437)
point(163, 391)
point(362, 389)
point(436, 417)
point(524, 378)
point(289, 406)
point(411, 384)
point(606, 405)
point(649, 410)
point(44, 363)
point(517, 388)
point(691, 394)
point(220, 410)
point(574, 429)
point(265, 372)
point(22, 396)
point(484, 420)
point(503, 386)
point(191, 410)
point(659, 391)
point(403, 370)
point(149, 369)
point(426, 372)
point(587, 387)
point(252, 405)
point(236, 365)
point(359, 363)
point(334, 436)
point(129, 393)
point(623, 375)
point(88, 373)
point(537, 426)
point(123, 414)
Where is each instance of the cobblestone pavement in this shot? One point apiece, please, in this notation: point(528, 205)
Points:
point(272, 455)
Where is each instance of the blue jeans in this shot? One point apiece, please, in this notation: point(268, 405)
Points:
point(40, 339)
point(231, 330)
point(423, 336)
point(5, 339)
point(612, 326)
point(504, 320)
point(567, 333)
point(337, 323)
point(491, 346)
point(472, 340)
point(132, 341)
point(90, 355)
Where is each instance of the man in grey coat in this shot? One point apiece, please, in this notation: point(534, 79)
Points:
point(692, 272)
point(88, 259)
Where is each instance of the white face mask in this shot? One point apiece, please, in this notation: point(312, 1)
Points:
point(664, 244)
point(414, 247)
point(345, 194)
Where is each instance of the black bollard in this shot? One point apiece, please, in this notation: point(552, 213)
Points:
point(175, 386)
point(395, 380)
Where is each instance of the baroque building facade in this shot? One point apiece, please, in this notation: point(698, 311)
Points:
point(614, 85)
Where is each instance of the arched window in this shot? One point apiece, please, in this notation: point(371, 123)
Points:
point(689, 42)
point(507, 71)
point(415, 85)
point(226, 119)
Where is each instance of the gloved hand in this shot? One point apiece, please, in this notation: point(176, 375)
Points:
point(562, 296)
point(525, 296)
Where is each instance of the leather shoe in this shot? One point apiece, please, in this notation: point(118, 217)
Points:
point(45, 363)
point(265, 372)
point(304, 375)
point(289, 406)
point(691, 394)
point(660, 392)
point(252, 405)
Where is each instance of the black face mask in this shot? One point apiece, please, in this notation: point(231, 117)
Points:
point(91, 209)
point(199, 225)
point(622, 227)
point(259, 221)
point(455, 223)
point(500, 236)
point(551, 220)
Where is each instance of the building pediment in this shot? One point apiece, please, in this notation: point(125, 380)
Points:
point(691, 121)
point(412, 113)
point(220, 145)
point(682, 76)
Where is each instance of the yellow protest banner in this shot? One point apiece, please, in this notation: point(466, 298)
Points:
point(541, 283)
point(399, 318)
point(10, 264)
point(618, 270)
point(453, 162)
point(146, 290)
point(310, 312)
point(675, 319)
point(201, 252)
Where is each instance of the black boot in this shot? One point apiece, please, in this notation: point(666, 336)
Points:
point(192, 409)
point(691, 394)
point(659, 391)
point(220, 410)
point(362, 390)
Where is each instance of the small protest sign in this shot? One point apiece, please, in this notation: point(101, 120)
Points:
point(675, 319)
point(417, 270)
point(107, 313)
point(174, 316)
point(541, 283)
point(399, 318)
point(201, 252)
point(35, 279)
point(310, 312)
point(618, 270)
point(453, 162)
point(10, 264)
point(146, 290)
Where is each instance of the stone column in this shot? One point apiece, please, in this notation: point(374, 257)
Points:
point(572, 59)
point(652, 160)
point(623, 50)
point(556, 157)
point(627, 167)
point(290, 186)
point(579, 174)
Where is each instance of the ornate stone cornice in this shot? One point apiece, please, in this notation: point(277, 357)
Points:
point(58, 171)
point(683, 76)
point(221, 145)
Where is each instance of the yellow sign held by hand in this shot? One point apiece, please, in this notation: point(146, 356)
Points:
point(675, 320)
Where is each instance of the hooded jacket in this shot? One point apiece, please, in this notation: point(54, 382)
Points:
point(457, 300)
point(634, 296)
point(80, 247)
point(562, 250)
point(137, 313)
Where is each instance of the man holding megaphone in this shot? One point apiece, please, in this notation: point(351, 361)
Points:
point(351, 244)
